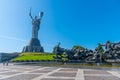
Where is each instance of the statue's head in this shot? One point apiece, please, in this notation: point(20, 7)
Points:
point(35, 17)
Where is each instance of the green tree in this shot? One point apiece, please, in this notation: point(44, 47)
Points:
point(78, 47)
point(100, 48)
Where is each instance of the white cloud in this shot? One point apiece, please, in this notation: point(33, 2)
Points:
point(12, 38)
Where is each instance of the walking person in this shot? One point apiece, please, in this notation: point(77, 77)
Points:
point(6, 63)
point(3, 63)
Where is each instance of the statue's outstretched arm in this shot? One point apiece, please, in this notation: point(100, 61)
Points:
point(30, 14)
point(41, 15)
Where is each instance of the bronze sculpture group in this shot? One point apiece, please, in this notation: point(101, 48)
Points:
point(112, 52)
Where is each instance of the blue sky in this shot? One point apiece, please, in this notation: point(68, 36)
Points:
point(71, 22)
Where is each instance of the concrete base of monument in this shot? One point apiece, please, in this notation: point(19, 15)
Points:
point(33, 46)
point(33, 49)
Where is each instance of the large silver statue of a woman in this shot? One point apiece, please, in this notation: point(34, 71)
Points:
point(35, 24)
point(34, 43)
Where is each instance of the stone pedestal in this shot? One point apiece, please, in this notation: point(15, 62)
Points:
point(33, 46)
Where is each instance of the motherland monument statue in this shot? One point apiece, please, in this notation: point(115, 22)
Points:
point(34, 44)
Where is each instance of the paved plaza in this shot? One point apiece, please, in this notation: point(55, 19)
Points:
point(25, 72)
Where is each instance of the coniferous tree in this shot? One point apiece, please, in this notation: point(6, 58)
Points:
point(100, 48)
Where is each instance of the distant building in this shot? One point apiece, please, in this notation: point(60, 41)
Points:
point(7, 56)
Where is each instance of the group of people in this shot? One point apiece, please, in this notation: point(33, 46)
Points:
point(5, 63)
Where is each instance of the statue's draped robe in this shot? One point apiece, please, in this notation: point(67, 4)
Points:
point(35, 27)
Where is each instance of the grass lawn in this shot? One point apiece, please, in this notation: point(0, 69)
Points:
point(34, 56)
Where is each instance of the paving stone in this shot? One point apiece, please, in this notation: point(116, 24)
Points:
point(67, 71)
point(101, 78)
point(63, 74)
point(22, 77)
point(9, 73)
point(55, 79)
point(3, 70)
point(70, 69)
point(49, 69)
point(96, 72)
point(31, 72)
point(46, 70)
point(23, 69)
point(39, 71)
